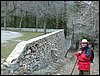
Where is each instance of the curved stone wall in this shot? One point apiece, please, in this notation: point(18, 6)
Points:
point(37, 53)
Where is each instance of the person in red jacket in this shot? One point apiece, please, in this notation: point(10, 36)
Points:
point(84, 54)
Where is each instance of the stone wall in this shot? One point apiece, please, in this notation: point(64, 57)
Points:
point(36, 54)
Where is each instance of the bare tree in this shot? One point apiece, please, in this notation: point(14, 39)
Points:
point(65, 18)
point(36, 16)
point(14, 5)
point(36, 22)
point(56, 14)
point(46, 12)
point(5, 18)
point(21, 17)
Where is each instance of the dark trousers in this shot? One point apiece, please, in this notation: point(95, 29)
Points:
point(84, 72)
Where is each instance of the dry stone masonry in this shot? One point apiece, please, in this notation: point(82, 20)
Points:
point(42, 52)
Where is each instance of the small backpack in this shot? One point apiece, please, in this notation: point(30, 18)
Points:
point(92, 57)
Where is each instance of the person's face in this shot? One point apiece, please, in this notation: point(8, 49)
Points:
point(83, 44)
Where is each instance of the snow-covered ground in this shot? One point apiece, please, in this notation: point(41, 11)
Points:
point(8, 35)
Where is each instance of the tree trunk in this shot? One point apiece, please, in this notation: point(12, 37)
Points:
point(5, 23)
point(57, 21)
point(65, 20)
point(36, 23)
point(14, 5)
point(5, 17)
point(56, 15)
point(73, 31)
point(27, 19)
point(46, 15)
point(45, 25)
point(20, 24)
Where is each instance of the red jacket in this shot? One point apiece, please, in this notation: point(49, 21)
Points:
point(83, 60)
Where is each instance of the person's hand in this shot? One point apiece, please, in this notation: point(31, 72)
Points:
point(80, 52)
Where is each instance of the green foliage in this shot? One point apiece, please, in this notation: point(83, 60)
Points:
point(29, 21)
point(10, 21)
point(60, 23)
point(2, 23)
point(51, 22)
point(40, 22)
